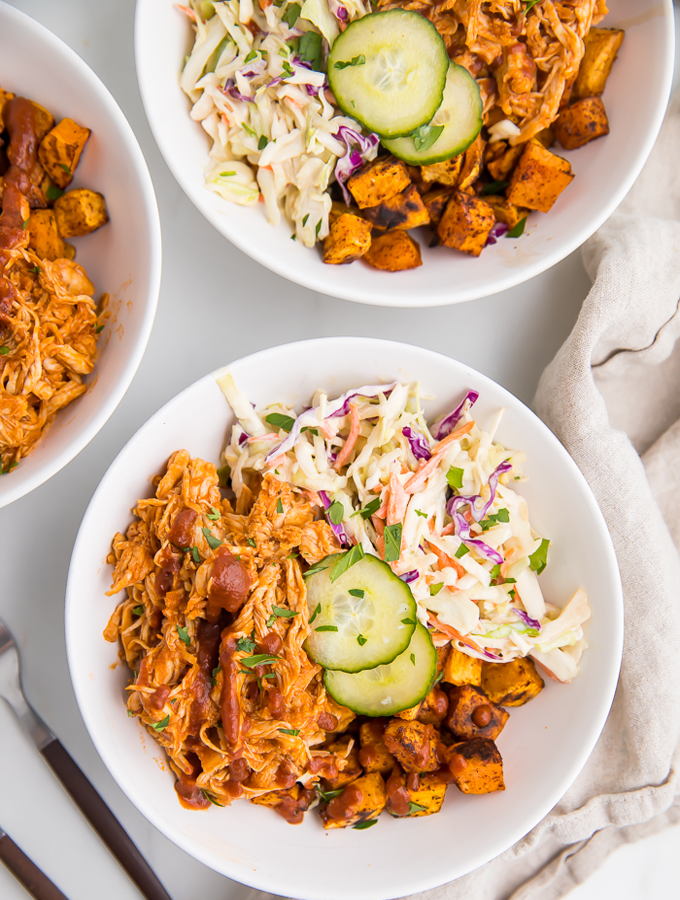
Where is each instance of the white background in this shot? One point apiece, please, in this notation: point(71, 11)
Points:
point(215, 306)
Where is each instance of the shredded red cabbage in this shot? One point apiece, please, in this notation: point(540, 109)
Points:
point(338, 530)
point(462, 529)
point(231, 89)
point(526, 618)
point(476, 511)
point(356, 144)
point(446, 425)
point(417, 442)
point(242, 438)
point(338, 10)
point(408, 577)
point(496, 232)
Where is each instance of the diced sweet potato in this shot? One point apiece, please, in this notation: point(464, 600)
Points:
point(339, 209)
point(349, 238)
point(501, 167)
point(394, 251)
point(43, 236)
point(291, 803)
point(60, 151)
point(360, 801)
point(413, 744)
point(435, 202)
point(471, 714)
point(445, 173)
point(378, 181)
point(5, 97)
point(546, 137)
point(405, 210)
point(374, 755)
point(462, 669)
point(602, 46)
point(428, 797)
point(473, 159)
point(581, 122)
point(434, 707)
point(504, 211)
point(69, 251)
point(347, 764)
point(466, 223)
point(79, 212)
point(44, 120)
point(476, 766)
point(539, 178)
point(513, 683)
point(408, 715)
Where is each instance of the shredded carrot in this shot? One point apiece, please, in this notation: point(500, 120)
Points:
point(453, 634)
point(445, 561)
point(277, 461)
point(313, 498)
point(355, 425)
point(398, 501)
point(327, 430)
point(421, 475)
point(187, 11)
point(378, 524)
point(270, 436)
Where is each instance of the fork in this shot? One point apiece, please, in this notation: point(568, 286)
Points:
point(86, 797)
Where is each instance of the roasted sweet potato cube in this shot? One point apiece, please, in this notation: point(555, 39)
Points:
point(44, 120)
point(394, 251)
point(445, 173)
point(581, 122)
point(374, 755)
point(378, 181)
point(466, 223)
point(79, 212)
point(504, 211)
point(602, 46)
point(476, 766)
point(347, 764)
point(349, 237)
point(291, 803)
point(428, 797)
point(60, 151)
point(5, 97)
point(434, 707)
point(513, 683)
point(43, 236)
point(473, 159)
point(501, 167)
point(405, 210)
point(69, 251)
point(539, 178)
point(471, 714)
point(360, 801)
point(340, 209)
point(435, 202)
point(413, 744)
point(546, 137)
point(408, 715)
point(462, 669)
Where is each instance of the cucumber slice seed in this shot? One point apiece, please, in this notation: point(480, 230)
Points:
point(385, 690)
point(460, 114)
point(367, 602)
point(388, 71)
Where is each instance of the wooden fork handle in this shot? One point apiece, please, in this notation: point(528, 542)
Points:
point(25, 870)
point(104, 822)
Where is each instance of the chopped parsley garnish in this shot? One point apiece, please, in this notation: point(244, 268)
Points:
point(501, 516)
point(24, 225)
point(435, 588)
point(99, 329)
point(138, 611)
point(293, 555)
point(518, 230)
point(539, 560)
point(251, 56)
point(263, 141)
point(392, 536)
point(196, 555)
point(251, 542)
point(293, 732)
point(426, 135)
point(291, 15)
point(4, 351)
point(310, 50)
point(223, 474)
point(346, 561)
point(336, 512)
point(368, 510)
point(461, 551)
point(315, 613)
point(212, 799)
point(360, 826)
point(408, 622)
point(438, 678)
point(495, 571)
point(413, 658)
point(304, 222)
point(159, 726)
point(494, 187)
point(317, 567)
point(36, 270)
point(213, 542)
point(215, 673)
point(214, 514)
point(328, 795)
point(293, 237)
point(9, 468)
point(361, 640)
point(279, 612)
point(248, 129)
point(184, 635)
point(314, 431)
point(455, 477)
point(226, 174)
point(279, 507)
point(512, 593)
point(529, 4)
point(318, 228)
point(245, 645)
point(279, 420)
point(287, 68)
point(65, 168)
point(53, 192)
point(355, 61)
point(326, 628)
point(419, 512)
point(260, 659)
point(415, 807)
point(356, 592)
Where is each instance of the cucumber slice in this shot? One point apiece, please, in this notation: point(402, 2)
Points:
point(363, 629)
point(388, 689)
point(461, 115)
point(388, 71)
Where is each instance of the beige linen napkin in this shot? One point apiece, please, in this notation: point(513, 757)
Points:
point(611, 394)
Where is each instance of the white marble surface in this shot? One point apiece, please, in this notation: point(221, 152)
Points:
point(216, 305)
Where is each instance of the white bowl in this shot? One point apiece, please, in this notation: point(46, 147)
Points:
point(545, 743)
point(636, 98)
point(123, 258)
